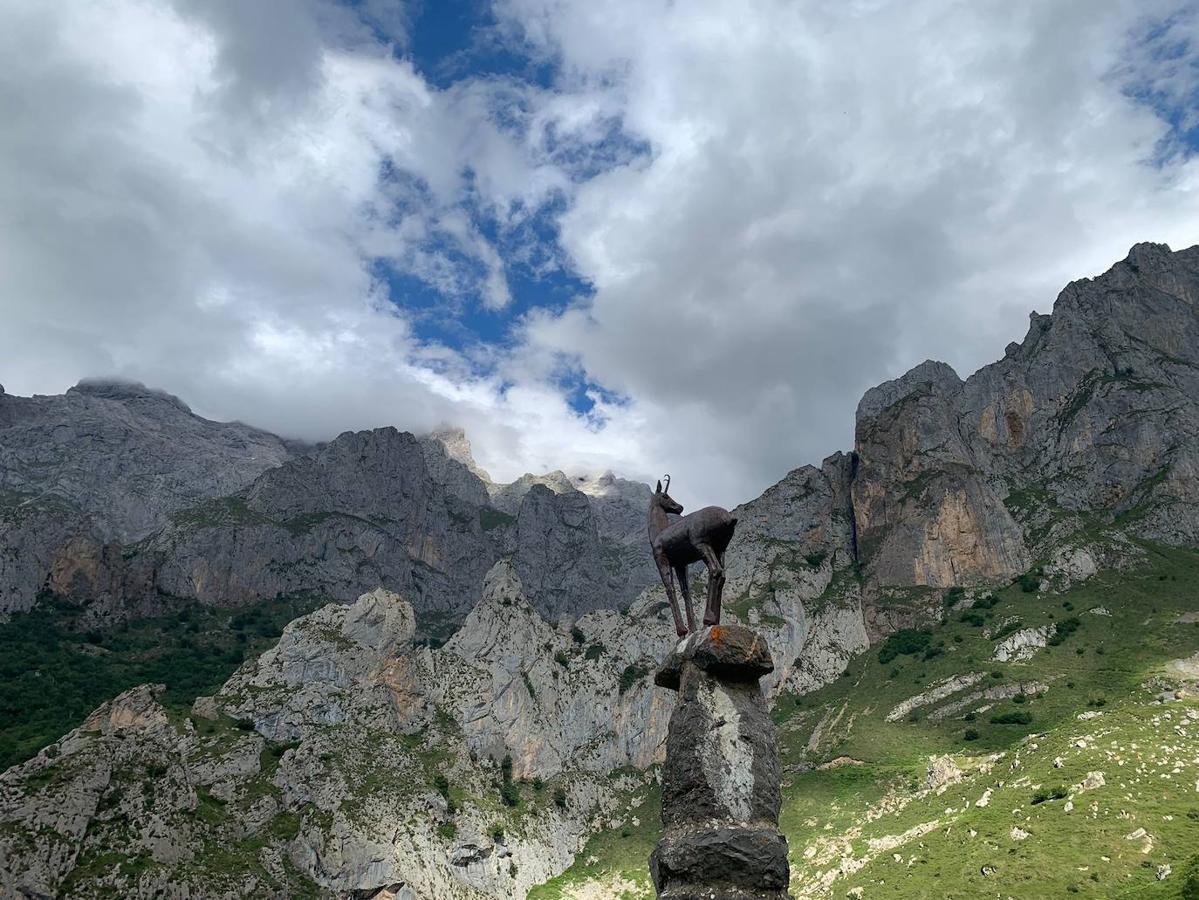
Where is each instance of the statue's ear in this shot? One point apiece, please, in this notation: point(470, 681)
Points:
point(658, 489)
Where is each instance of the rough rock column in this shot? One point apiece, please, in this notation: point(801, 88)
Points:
point(720, 785)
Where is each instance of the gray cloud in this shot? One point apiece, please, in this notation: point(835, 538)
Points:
point(837, 192)
point(192, 195)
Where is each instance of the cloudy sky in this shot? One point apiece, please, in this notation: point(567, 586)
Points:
point(645, 235)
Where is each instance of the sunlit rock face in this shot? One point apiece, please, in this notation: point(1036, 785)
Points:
point(1097, 410)
point(353, 758)
point(925, 510)
point(554, 699)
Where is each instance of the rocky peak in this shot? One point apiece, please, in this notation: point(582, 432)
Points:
point(503, 621)
point(457, 447)
point(378, 472)
point(559, 555)
point(1149, 256)
point(929, 377)
point(340, 664)
point(502, 587)
point(124, 456)
point(449, 462)
point(508, 497)
point(126, 391)
point(137, 709)
point(1160, 268)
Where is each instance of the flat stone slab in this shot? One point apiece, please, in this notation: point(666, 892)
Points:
point(728, 652)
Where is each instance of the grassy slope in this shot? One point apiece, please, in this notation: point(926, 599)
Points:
point(830, 816)
point(52, 674)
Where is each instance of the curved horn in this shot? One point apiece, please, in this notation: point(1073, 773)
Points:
point(666, 490)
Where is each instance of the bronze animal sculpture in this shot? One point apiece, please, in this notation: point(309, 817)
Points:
point(701, 536)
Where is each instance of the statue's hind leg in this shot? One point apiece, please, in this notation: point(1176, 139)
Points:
point(719, 598)
point(681, 573)
point(715, 585)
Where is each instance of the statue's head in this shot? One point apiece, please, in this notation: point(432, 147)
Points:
point(663, 499)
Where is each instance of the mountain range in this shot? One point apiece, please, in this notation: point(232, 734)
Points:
point(464, 708)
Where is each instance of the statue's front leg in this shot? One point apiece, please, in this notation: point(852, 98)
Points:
point(681, 573)
point(664, 572)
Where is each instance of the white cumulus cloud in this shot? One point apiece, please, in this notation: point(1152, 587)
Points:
point(777, 205)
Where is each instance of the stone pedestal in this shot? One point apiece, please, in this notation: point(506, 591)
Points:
point(720, 786)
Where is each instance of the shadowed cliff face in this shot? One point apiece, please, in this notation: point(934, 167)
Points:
point(125, 456)
point(119, 496)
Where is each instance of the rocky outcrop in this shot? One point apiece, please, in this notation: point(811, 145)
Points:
point(550, 698)
point(935, 694)
point(371, 507)
point(584, 535)
point(795, 535)
point(1095, 413)
point(124, 456)
point(349, 760)
point(927, 512)
point(720, 784)
point(360, 511)
point(1023, 644)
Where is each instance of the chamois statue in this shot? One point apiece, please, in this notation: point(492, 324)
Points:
point(701, 536)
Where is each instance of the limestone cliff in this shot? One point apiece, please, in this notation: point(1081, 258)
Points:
point(1093, 418)
point(349, 759)
point(121, 498)
point(118, 495)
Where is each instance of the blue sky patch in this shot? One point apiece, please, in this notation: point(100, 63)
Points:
point(456, 39)
point(1167, 81)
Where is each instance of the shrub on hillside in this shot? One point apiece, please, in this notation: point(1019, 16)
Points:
point(1064, 629)
point(953, 595)
point(815, 559)
point(510, 794)
point(1190, 887)
point(1044, 794)
point(1020, 717)
point(906, 642)
point(631, 675)
point(972, 617)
